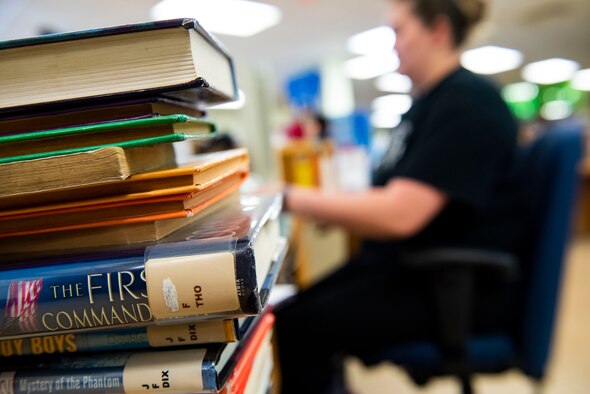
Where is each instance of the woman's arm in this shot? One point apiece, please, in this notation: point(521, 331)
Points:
point(400, 209)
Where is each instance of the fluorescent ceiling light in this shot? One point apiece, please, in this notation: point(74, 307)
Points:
point(491, 59)
point(555, 110)
point(385, 119)
point(520, 92)
point(377, 40)
point(232, 17)
point(550, 71)
point(236, 104)
point(393, 103)
point(395, 83)
point(581, 80)
point(371, 66)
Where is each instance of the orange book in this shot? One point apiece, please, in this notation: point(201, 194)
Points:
point(121, 231)
point(183, 179)
point(78, 216)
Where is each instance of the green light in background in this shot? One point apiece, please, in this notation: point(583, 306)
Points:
point(553, 102)
point(559, 101)
point(526, 110)
point(522, 99)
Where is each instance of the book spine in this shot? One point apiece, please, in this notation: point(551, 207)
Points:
point(172, 372)
point(222, 280)
point(205, 332)
point(114, 293)
point(240, 374)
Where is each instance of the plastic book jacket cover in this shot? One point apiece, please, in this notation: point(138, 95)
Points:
point(214, 268)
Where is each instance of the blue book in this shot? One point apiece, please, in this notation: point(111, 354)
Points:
point(214, 268)
point(152, 336)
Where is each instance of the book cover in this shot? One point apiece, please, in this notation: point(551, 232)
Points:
point(214, 268)
point(193, 370)
point(133, 132)
point(138, 60)
point(181, 179)
point(75, 114)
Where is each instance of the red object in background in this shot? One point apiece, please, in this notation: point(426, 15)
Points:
point(295, 130)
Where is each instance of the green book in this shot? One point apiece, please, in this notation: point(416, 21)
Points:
point(128, 133)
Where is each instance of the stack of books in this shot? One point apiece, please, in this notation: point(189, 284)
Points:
point(122, 271)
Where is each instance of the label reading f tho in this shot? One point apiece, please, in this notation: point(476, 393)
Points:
point(183, 286)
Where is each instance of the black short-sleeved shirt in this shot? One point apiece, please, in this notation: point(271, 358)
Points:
point(460, 138)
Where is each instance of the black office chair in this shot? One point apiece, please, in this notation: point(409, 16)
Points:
point(549, 178)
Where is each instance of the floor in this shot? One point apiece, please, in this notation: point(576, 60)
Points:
point(569, 368)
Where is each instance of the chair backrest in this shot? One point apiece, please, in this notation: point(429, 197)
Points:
point(551, 180)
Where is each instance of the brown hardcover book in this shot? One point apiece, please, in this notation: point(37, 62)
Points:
point(84, 168)
point(183, 179)
point(78, 114)
point(174, 58)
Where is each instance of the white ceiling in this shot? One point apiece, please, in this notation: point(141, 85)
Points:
point(312, 30)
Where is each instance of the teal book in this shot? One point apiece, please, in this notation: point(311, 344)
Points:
point(180, 371)
point(127, 133)
point(154, 336)
point(174, 59)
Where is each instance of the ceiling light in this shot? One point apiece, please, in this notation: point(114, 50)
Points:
point(232, 17)
point(550, 71)
point(491, 59)
point(395, 83)
point(556, 110)
point(236, 104)
point(394, 103)
point(385, 119)
point(520, 92)
point(377, 40)
point(371, 66)
point(581, 80)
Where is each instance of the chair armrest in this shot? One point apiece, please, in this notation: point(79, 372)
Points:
point(452, 274)
point(503, 264)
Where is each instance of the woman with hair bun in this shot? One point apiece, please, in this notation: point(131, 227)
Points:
point(440, 184)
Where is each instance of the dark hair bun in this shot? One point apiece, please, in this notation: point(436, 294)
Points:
point(463, 14)
point(473, 11)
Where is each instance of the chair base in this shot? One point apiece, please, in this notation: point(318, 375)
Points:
point(466, 386)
